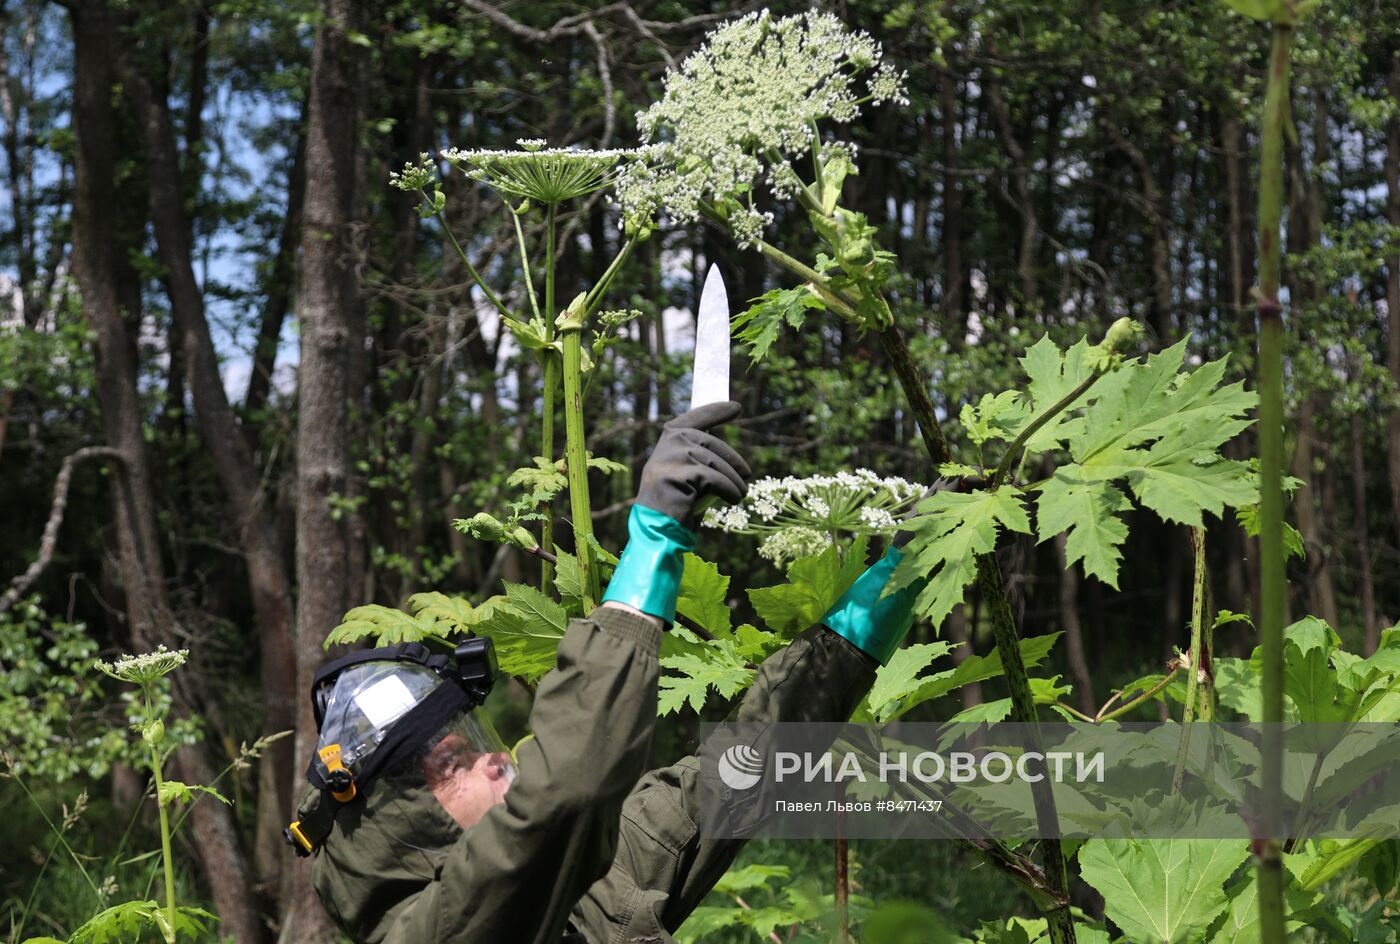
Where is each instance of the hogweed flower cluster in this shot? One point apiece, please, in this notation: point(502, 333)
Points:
point(146, 667)
point(740, 110)
point(799, 517)
point(541, 174)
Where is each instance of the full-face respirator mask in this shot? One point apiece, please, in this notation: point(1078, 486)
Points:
point(374, 709)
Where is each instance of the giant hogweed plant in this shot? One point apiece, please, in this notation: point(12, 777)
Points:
point(1118, 431)
point(531, 180)
point(149, 917)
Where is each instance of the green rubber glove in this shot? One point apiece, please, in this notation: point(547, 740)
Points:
point(873, 624)
point(687, 466)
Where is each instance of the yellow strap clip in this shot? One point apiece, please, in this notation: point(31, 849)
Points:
point(294, 833)
point(337, 774)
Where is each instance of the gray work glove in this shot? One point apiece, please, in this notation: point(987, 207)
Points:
point(689, 464)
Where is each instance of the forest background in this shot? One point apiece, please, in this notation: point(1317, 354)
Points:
point(187, 184)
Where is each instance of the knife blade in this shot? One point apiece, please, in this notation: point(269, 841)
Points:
point(710, 374)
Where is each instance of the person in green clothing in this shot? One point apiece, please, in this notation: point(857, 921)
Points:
point(574, 841)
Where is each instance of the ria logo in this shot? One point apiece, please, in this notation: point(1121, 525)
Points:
point(741, 767)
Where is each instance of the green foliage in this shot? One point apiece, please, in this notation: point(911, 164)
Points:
point(132, 920)
point(951, 530)
point(758, 326)
point(1150, 427)
point(56, 722)
point(900, 686)
point(813, 586)
point(1162, 890)
point(173, 791)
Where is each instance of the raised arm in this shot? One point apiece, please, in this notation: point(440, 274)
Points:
point(516, 874)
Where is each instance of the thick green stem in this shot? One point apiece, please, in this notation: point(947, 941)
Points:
point(576, 451)
point(551, 393)
point(1273, 586)
point(1061, 922)
point(167, 859)
point(549, 362)
point(1200, 693)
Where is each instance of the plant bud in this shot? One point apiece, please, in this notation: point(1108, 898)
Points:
point(485, 527)
point(154, 732)
point(1122, 334)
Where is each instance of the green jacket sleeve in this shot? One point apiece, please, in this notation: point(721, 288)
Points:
point(515, 875)
point(664, 867)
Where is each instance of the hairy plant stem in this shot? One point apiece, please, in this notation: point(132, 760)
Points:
point(550, 366)
point(989, 576)
point(1065, 402)
point(461, 254)
point(576, 451)
point(167, 859)
point(1268, 851)
point(1123, 709)
point(1200, 693)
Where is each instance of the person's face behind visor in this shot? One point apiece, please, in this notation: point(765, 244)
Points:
point(469, 771)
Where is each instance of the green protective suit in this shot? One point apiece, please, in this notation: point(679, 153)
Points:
point(587, 846)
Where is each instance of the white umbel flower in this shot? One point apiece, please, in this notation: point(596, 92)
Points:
point(801, 516)
point(747, 104)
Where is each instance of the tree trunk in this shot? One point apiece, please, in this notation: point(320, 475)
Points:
point(1074, 632)
point(953, 302)
point(1020, 181)
point(98, 260)
point(278, 296)
point(1363, 535)
point(252, 509)
point(1321, 591)
point(1392, 290)
point(327, 310)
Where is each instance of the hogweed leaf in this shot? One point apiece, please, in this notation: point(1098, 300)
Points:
point(385, 626)
point(900, 677)
point(720, 669)
point(456, 611)
point(1089, 512)
point(996, 416)
point(1162, 890)
point(814, 585)
point(173, 791)
point(541, 613)
point(950, 530)
point(703, 597)
point(759, 326)
point(525, 643)
point(972, 669)
point(1052, 376)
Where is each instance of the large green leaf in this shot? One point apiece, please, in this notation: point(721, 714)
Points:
point(1089, 512)
point(1052, 376)
point(972, 669)
point(950, 530)
point(704, 593)
point(386, 626)
point(720, 669)
point(899, 678)
point(526, 639)
point(759, 325)
point(1241, 924)
point(814, 585)
point(1163, 891)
